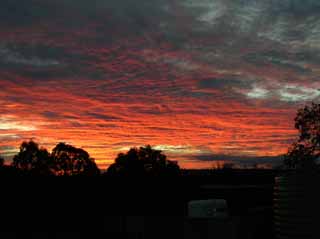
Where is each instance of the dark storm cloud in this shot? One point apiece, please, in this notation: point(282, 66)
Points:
point(288, 22)
point(295, 6)
point(278, 59)
point(36, 61)
point(41, 61)
point(24, 12)
point(310, 56)
point(26, 55)
point(223, 83)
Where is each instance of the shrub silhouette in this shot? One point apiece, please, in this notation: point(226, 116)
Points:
point(304, 152)
point(143, 161)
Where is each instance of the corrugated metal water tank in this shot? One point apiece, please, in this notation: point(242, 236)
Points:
point(296, 206)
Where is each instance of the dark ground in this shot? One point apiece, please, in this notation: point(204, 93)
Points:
point(94, 207)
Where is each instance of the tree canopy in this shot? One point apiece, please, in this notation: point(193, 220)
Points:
point(32, 158)
point(65, 160)
point(304, 152)
point(69, 160)
point(143, 161)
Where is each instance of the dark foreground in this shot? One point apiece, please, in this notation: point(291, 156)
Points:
point(135, 208)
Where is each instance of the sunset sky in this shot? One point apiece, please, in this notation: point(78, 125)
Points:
point(202, 80)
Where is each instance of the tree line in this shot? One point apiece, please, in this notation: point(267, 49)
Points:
point(67, 160)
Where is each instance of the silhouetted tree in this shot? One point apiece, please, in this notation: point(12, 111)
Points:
point(33, 159)
point(304, 152)
point(69, 160)
point(1, 161)
point(143, 161)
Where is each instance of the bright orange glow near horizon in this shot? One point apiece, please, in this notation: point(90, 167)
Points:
point(176, 75)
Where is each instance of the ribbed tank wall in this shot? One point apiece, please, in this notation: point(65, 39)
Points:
point(296, 206)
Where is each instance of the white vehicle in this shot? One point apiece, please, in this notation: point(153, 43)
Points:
point(211, 208)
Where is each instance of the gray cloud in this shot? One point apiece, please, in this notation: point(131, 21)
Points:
point(278, 59)
point(22, 12)
point(40, 61)
point(223, 83)
point(240, 160)
point(51, 114)
point(28, 12)
point(17, 57)
point(102, 116)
